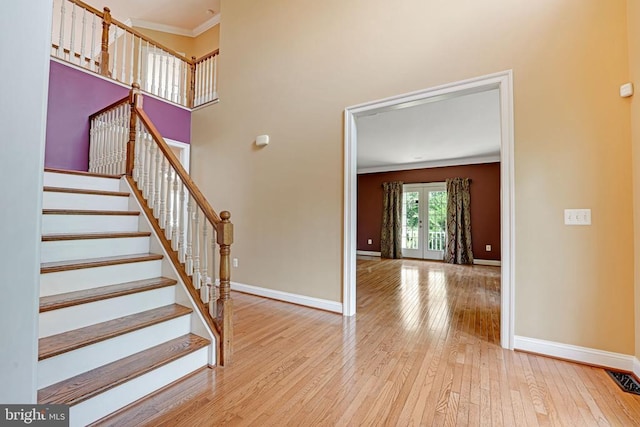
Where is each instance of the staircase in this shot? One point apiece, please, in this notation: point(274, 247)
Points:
point(116, 322)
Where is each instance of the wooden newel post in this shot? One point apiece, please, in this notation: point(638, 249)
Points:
point(225, 304)
point(192, 83)
point(135, 100)
point(104, 49)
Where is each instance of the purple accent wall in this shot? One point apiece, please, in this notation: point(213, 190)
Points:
point(74, 95)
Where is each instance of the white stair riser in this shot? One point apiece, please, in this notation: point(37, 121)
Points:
point(67, 365)
point(67, 250)
point(117, 397)
point(88, 278)
point(65, 180)
point(69, 318)
point(57, 200)
point(53, 223)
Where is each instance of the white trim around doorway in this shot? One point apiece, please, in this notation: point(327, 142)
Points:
point(503, 81)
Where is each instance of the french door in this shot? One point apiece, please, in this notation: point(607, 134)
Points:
point(424, 219)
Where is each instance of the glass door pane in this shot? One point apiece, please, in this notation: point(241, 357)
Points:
point(411, 223)
point(437, 221)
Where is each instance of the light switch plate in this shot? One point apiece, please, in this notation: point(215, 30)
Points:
point(577, 216)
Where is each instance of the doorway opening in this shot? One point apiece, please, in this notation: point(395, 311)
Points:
point(424, 220)
point(503, 83)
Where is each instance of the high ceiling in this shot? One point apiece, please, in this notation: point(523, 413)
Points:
point(186, 15)
point(459, 130)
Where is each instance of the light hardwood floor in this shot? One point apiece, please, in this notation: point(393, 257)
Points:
point(422, 350)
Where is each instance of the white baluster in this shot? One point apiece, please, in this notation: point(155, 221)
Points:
point(215, 77)
point(174, 213)
point(210, 79)
point(163, 74)
point(188, 262)
point(92, 59)
point(119, 148)
point(61, 35)
point(114, 69)
point(198, 84)
point(205, 261)
point(186, 87)
point(164, 194)
point(147, 161)
point(153, 71)
point(196, 249)
point(183, 214)
point(114, 139)
point(107, 141)
point(72, 40)
point(174, 78)
point(98, 148)
point(136, 158)
point(157, 188)
point(82, 58)
point(213, 307)
point(168, 230)
point(145, 65)
point(124, 57)
point(140, 58)
point(133, 47)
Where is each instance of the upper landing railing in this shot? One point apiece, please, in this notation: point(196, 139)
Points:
point(93, 40)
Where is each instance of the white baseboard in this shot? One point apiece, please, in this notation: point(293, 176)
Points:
point(589, 356)
point(636, 367)
point(368, 253)
point(487, 262)
point(306, 301)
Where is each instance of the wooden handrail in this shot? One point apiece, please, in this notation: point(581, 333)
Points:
point(206, 56)
point(88, 7)
point(147, 39)
point(199, 198)
point(109, 107)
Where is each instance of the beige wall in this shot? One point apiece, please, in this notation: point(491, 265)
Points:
point(633, 25)
point(190, 46)
point(289, 68)
point(207, 41)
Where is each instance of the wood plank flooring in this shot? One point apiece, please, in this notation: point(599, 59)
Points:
point(422, 350)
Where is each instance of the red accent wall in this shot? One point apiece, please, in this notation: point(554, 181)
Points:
point(485, 203)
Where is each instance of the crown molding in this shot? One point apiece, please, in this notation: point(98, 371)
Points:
point(211, 22)
point(432, 164)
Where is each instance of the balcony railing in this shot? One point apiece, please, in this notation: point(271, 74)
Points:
point(93, 40)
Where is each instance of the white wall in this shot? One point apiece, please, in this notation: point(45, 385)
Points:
point(24, 79)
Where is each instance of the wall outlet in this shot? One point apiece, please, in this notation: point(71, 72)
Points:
point(235, 262)
point(487, 248)
point(577, 216)
point(369, 242)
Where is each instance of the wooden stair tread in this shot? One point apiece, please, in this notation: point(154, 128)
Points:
point(52, 267)
point(89, 236)
point(54, 302)
point(81, 173)
point(89, 384)
point(84, 191)
point(55, 345)
point(87, 212)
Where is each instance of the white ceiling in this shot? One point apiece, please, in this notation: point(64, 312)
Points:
point(459, 130)
point(185, 15)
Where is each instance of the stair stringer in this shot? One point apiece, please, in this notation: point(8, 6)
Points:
point(199, 325)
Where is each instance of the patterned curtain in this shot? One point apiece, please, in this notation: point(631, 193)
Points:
point(458, 245)
point(391, 233)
